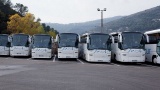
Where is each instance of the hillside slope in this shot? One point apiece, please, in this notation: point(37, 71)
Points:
point(80, 27)
point(141, 21)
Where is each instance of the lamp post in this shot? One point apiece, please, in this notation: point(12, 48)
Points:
point(101, 17)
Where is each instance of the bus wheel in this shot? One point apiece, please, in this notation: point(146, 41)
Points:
point(154, 60)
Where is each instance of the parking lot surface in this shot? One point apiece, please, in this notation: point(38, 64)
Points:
point(53, 74)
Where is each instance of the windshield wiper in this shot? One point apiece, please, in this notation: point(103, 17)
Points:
point(136, 47)
point(102, 48)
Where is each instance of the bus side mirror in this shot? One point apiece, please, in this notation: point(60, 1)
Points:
point(119, 38)
point(79, 39)
point(56, 40)
point(52, 40)
point(146, 38)
point(30, 39)
point(10, 38)
point(87, 40)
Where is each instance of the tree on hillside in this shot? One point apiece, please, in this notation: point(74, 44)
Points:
point(21, 9)
point(5, 12)
point(26, 24)
point(6, 2)
point(13, 24)
point(46, 28)
point(49, 30)
point(2, 16)
point(2, 23)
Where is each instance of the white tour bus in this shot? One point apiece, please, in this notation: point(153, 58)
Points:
point(67, 45)
point(95, 47)
point(42, 46)
point(4, 44)
point(20, 45)
point(128, 46)
point(152, 46)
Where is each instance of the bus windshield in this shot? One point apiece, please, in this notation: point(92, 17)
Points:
point(132, 40)
point(68, 40)
point(3, 40)
point(42, 41)
point(20, 40)
point(99, 41)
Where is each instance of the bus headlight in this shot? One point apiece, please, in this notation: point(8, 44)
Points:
point(90, 54)
point(124, 54)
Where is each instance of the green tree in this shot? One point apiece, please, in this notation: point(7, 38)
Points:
point(21, 9)
point(26, 24)
point(5, 12)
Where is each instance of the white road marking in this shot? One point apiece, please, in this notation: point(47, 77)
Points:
point(54, 59)
point(29, 59)
point(80, 61)
point(115, 64)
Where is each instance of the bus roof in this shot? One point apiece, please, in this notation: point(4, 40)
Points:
point(152, 31)
point(4, 34)
point(85, 34)
point(41, 35)
point(113, 33)
point(19, 34)
point(68, 33)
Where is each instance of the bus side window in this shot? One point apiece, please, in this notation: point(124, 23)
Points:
point(152, 39)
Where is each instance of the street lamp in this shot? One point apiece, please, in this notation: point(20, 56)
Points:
point(101, 17)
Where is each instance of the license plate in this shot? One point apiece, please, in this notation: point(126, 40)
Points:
point(40, 55)
point(134, 60)
point(100, 60)
point(68, 57)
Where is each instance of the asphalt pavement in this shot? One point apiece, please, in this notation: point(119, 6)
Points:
point(52, 74)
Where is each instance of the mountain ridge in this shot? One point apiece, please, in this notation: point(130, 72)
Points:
point(77, 27)
point(141, 21)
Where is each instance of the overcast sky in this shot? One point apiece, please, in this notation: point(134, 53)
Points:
point(75, 11)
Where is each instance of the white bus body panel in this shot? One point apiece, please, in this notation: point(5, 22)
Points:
point(131, 55)
point(94, 55)
point(151, 47)
point(4, 50)
point(68, 52)
point(98, 55)
point(41, 53)
point(128, 55)
point(20, 51)
point(150, 52)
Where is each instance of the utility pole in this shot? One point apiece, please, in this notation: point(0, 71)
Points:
point(101, 18)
